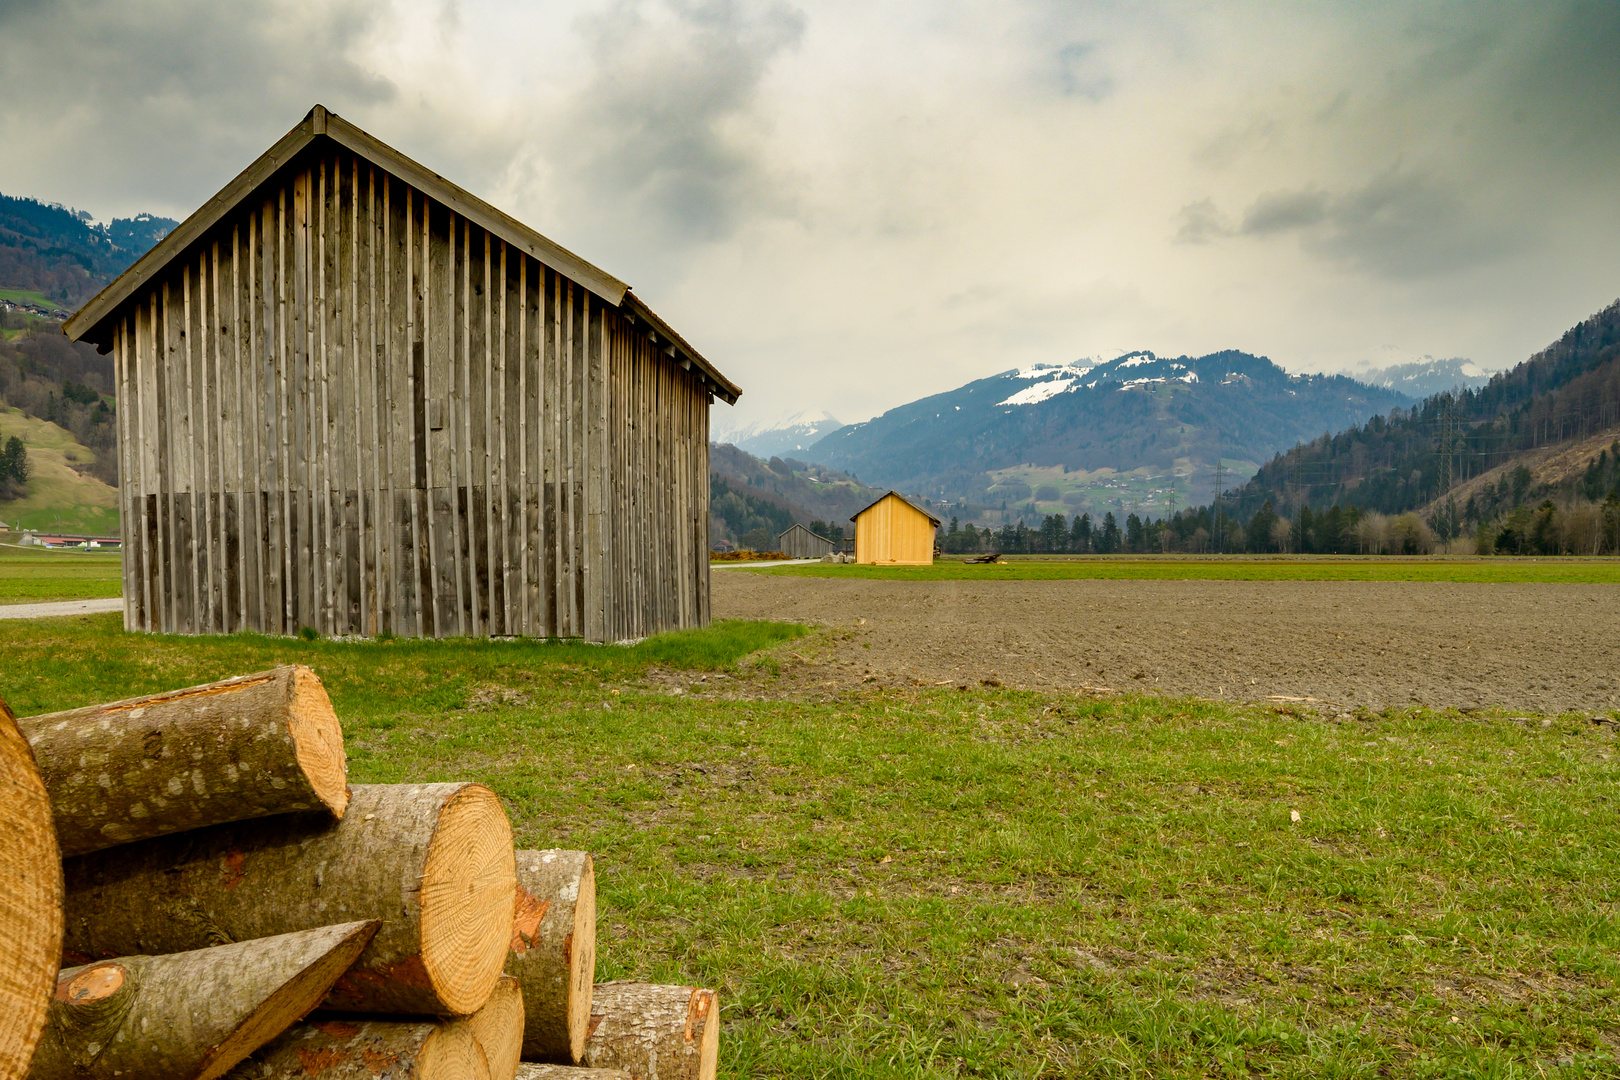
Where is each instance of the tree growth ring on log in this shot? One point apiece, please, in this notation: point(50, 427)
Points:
point(191, 1015)
point(554, 951)
point(498, 1027)
point(227, 751)
point(433, 862)
point(30, 901)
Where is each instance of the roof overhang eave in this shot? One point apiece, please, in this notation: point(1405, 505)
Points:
point(677, 348)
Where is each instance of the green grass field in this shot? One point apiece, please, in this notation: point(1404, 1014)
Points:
point(1004, 884)
point(1595, 571)
point(32, 575)
point(59, 497)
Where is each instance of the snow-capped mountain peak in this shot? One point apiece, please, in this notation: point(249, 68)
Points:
point(785, 436)
point(1427, 375)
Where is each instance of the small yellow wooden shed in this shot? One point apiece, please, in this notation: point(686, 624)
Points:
point(894, 531)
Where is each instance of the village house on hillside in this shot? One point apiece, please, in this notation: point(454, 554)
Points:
point(355, 398)
point(894, 531)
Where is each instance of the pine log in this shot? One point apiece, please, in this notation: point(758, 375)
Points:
point(343, 1049)
point(242, 748)
point(530, 1070)
point(498, 1027)
point(433, 862)
point(554, 951)
point(190, 1015)
point(30, 901)
point(654, 1032)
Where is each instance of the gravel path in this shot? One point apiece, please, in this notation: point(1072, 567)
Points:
point(60, 607)
point(1532, 647)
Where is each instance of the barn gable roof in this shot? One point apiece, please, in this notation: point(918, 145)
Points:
point(804, 529)
point(931, 517)
point(93, 321)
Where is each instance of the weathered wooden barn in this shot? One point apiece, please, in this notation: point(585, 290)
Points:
point(353, 397)
point(895, 531)
point(799, 542)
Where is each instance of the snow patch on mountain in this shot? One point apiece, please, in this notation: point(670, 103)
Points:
point(787, 435)
point(1426, 375)
point(1039, 392)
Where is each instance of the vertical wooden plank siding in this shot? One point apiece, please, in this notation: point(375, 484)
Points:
point(350, 409)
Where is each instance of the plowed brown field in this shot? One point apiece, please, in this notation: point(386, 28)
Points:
point(1534, 647)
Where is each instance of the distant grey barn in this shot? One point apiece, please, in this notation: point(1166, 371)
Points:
point(799, 542)
point(355, 398)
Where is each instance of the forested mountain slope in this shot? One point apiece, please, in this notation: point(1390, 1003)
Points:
point(752, 500)
point(1139, 410)
point(52, 259)
point(62, 255)
point(1407, 460)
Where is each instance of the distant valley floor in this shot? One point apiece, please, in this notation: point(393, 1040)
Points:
point(1541, 648)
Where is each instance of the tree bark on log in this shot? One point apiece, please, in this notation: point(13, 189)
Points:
point(433, 862)
point(341, 1049)
point(498, 1027)
point(191, 1015)
point(533, 1071)
point(554, 951)
point(242, 748)
point(654, 1032)
point(30, 901)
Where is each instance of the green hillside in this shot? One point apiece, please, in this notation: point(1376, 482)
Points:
point(59, 498)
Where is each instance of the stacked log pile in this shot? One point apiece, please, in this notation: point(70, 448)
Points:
point(192, 889)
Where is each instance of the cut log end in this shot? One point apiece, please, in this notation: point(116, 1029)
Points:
point(30, 901)
point(294, 1000)
point(92, 984)
point(582, 962)
point(709, 1054)
point(469, 880)
point(498, 1027)
point(248, 747)
point(318, 738)
point(193, 1014)
point(452, 1053)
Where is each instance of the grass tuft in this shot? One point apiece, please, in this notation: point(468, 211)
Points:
point(717, 645)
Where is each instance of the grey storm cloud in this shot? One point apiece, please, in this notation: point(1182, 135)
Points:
point(1201, 223)
point(1282, 211)
point(167, 99)
point(1399, 224)
point(662, 131)
point(1471, 144)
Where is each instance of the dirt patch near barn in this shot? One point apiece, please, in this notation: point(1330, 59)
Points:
point(1539, 648)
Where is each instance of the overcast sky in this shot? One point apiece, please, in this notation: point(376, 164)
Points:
point(850, 205)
